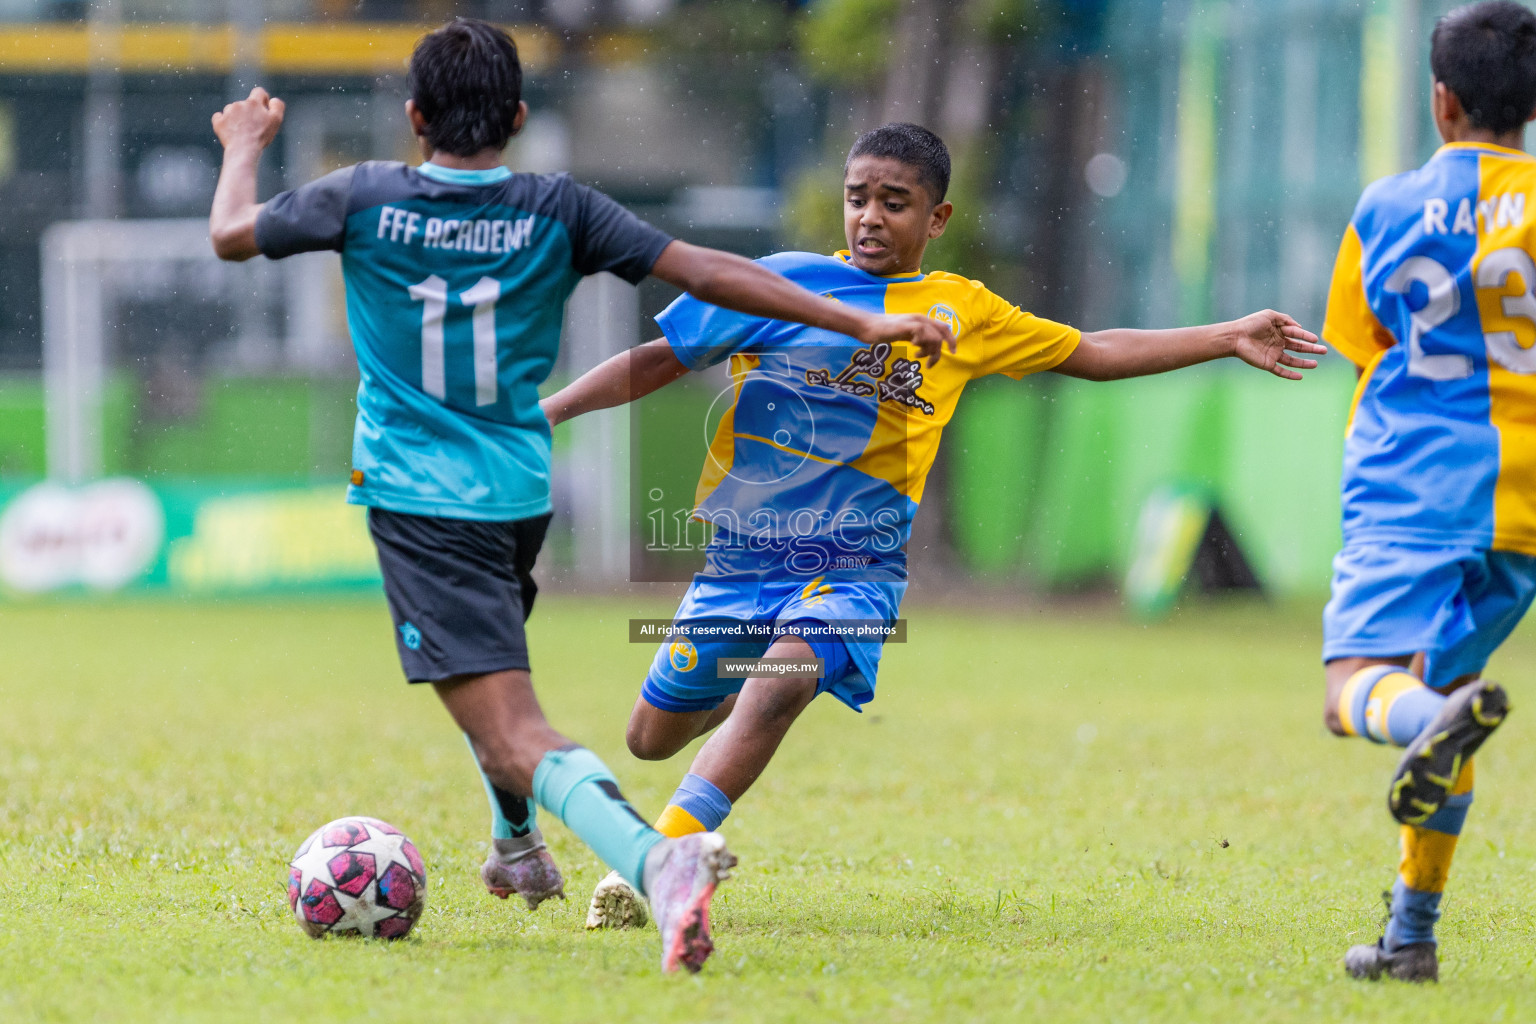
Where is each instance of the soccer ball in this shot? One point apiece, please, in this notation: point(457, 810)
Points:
point(357, 876)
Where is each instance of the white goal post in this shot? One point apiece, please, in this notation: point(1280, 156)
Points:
point(89, 265)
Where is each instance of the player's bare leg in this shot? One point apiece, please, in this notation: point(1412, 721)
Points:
point(655, 735)
point(505, 725)
point(509, 737)
point(731, 760)
point(739, 751)
point(519, 751)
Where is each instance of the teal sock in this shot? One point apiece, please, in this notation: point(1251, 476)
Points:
point(575, 786)
point(512, 816)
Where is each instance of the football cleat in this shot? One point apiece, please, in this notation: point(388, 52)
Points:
point(531, 874)
point(1432, 762)
point(680, 894)
point(1414, 962)
point(616, 904)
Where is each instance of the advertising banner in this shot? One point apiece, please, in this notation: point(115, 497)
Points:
point(127, 535)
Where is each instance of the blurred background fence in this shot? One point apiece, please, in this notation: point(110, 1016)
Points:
point(1118, 163)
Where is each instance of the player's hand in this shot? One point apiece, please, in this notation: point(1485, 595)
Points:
point(930, 337)
point(1267, 340)
point(251, 121)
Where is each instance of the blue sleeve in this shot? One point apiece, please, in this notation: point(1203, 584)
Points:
point(702, 335)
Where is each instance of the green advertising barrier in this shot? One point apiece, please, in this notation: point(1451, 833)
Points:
point(124, 535)
point(1049, 476)
point(1043, 479)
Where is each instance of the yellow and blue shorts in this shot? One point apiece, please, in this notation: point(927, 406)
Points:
point(684, 675)
point(1455, 604)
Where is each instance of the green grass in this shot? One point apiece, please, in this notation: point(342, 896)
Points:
point(1043, 815)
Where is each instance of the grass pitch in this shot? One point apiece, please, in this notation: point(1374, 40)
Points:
point(1047, 815)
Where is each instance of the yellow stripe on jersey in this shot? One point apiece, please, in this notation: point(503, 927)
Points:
point(722, 449)
point(1360, 386)
point(770, 442)
point(1350, 325)
point(1502, 273)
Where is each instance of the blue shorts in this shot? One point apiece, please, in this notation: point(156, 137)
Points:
point(683, 676)
point(1454, 604)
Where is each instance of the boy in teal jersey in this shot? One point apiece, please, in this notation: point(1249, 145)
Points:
point(457, 272)
point(818, 466)
point(1432, 299)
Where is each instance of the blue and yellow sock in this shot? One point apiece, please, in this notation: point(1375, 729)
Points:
point(1425, 866)
point(512, 816)
point(575, 786)
point(1387, 704)
point(697, 806)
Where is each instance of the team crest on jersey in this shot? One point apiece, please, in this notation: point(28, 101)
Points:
point(947, 316)
point(867, 375)
point(683, 655)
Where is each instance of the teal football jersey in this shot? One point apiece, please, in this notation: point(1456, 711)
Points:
point(456, 288)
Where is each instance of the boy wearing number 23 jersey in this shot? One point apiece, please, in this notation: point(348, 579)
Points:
point(1434, 300)
point(457, 273)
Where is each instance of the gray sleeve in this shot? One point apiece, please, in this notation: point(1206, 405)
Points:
point(306, 219)
point(609, 237)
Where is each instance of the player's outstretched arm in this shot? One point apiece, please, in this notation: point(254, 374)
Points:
point(615, 381)
point(1266, 339)
point(244, 128)
point(724, 279)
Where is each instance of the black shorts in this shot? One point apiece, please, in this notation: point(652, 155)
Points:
point(459, 591)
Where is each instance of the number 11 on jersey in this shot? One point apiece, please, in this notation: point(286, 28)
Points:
point(480, 299)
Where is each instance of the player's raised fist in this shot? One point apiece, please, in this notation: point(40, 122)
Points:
point(930, 337)
point(251, 121)
point(1267, 340)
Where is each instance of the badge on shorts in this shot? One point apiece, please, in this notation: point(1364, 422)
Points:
point(682, 655)
point(410, 636)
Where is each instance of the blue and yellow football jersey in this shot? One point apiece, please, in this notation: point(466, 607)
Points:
point(825, 444)
point(1434, 297)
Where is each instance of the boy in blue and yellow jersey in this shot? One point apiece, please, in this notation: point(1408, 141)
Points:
point(457, 272)
point(1432, 298)
point(817, 469)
